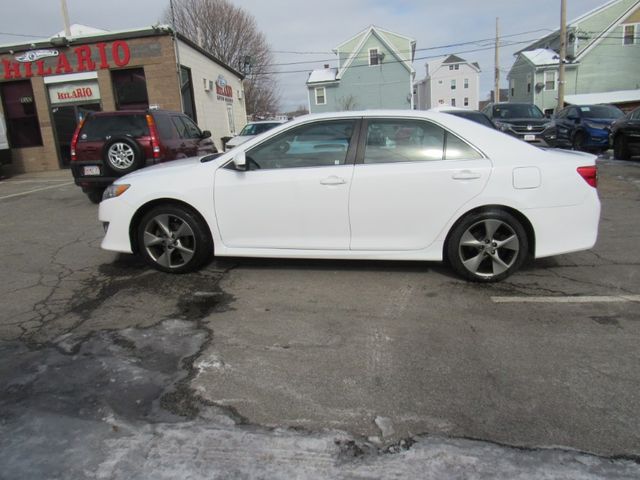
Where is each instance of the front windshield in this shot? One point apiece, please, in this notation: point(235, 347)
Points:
point(256, 128)
point(601, 111)
point(516, 111)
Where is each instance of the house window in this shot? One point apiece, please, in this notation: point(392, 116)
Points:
point(453, 84)
point(466, 83)
point(450, 67)
point(188, 99)
point(374, 58)
point(453, 102)
point(512, 85)
point(321, 98)
point(466, 101)
point(19, 108)
point(130, 89)
point(629, 37)
point(457, 67)
point(550, 80)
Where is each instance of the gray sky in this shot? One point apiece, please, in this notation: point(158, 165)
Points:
point(300, 26)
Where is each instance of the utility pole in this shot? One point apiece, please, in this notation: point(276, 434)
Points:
point(496, 91)
point(65, 18)
point(563, 54)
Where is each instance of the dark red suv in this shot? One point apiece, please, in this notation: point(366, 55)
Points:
point(107, 145)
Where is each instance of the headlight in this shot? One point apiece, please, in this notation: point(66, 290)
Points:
point(597, 126)
point(113, 191)
point(503, 126)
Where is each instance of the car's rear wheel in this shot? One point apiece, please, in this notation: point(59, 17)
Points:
point(487, 246)
point(122, 155)
point(620, 148)
point(174, 239)
point(95, 195)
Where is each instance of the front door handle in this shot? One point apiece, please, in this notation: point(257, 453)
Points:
point(466, 175)
point(333, 180)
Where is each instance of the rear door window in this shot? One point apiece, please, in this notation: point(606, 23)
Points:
point(191, 129)
point(166, 128)
point(392, 141)
point(180, 126)
point(99, 127)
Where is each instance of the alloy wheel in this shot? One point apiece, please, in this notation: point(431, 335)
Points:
point(121, 155)
point(489, 248)
point(169, 241)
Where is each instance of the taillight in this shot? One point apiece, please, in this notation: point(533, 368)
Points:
point(153, 132)
point(74, 140)
point(590, 175)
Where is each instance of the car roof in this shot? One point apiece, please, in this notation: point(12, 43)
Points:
point(134, 112)
point(265, 121)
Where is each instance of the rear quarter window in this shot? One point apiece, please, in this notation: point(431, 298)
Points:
point(101, 127)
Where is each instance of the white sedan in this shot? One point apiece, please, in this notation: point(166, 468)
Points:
point(384, 185)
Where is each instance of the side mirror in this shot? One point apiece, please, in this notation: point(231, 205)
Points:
point(240, 161)
point(206, 134)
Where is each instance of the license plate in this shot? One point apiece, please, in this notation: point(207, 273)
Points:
point(92, 170)
point(529, 138)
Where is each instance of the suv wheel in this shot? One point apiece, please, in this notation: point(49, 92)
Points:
point(95, 195)
point(620, 148)
point(578, 141)
point(173, 239)
point(122, 155)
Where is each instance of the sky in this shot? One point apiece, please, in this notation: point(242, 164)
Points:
point(301, 26)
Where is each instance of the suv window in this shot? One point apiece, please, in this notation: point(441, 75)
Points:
point(98, 127)
point(180, 126)
point(636, 114)
point(515, 110)
point(191, 128)
point(166, 128)
point(316, 145)
point(391, 141)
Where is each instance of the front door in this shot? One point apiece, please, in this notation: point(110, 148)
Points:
point(294, 193)
point(412, 177)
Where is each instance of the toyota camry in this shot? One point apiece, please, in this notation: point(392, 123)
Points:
point(374, 185)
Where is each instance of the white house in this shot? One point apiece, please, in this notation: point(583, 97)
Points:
point(450, 81)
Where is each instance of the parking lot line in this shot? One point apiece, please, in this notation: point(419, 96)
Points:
point(35, 190)
point(569, 299)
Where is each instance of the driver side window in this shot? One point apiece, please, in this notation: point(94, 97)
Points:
point(316, 145)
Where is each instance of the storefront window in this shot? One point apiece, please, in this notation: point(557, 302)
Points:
point(186, 85)
point(20, 113)
point(130, 89)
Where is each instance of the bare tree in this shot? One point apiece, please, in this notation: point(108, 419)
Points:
point(347, 103)
point(231, 34)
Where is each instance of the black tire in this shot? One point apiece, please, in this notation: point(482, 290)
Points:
point(578, 141)
point(481, 255)
point(187, 248)
point(122, 155)
point(620, 148)
point(95, 195)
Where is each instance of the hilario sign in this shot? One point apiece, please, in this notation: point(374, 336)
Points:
point(84, 58)
point(74, 92)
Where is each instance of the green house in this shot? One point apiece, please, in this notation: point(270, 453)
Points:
point(375, 70)
point(603, 55)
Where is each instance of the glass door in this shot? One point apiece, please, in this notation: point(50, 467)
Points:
point(65, 121)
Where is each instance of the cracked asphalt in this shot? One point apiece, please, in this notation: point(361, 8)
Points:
point(257, 368)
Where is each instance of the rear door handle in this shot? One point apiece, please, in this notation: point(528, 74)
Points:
point(333, 180)
point(466, 175)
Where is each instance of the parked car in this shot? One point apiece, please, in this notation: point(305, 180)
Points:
point(449, 189)
point(251, 129)
point(625, 135)
point(586, 127)
point(473, 115)
point(524, 121)
point(107, 145)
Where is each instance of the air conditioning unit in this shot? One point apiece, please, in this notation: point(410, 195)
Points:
point(208, 85)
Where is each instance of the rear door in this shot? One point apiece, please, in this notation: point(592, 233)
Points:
point(183, 147)
point(410, 177)
point(170, 139)
point(199, 145)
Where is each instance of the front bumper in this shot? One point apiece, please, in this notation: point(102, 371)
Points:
point(116, 215)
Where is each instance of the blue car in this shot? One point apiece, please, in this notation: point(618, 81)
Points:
point(586, 127)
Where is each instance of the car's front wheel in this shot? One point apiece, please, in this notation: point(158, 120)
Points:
point(174, 239)
point(487, 246)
